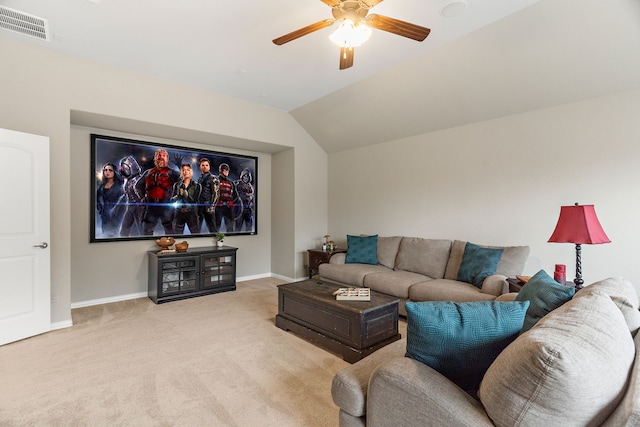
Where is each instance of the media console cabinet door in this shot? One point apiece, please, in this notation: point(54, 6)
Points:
point(218, 270)
point(178, 275)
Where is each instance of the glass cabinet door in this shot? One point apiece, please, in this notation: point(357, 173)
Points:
point(217, 271)
point(178, 275)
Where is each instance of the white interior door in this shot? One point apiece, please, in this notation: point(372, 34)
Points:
point(25, 306)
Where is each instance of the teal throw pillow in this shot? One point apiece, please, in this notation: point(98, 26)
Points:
point(461, 340)
point(477, 263)
point(545, 295)
point(362, 250)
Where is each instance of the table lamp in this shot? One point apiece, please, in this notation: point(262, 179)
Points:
point(578, 224)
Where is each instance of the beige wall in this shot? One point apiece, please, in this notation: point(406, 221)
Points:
point(40, 90)
point(502, 182)
point(122, 269)
point(283, 213)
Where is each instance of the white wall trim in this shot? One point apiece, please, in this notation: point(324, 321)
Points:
point(127, 297)
point(288, 279)
point(61, 325)
point(107, 300)
point(253, 277)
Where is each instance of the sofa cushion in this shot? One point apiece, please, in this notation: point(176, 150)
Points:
point(447, 290)
point(362, 250)
point(623, 294)
point(511, 263)
point(388, 250)
point(570, 369)
point(545, 295)
point(396, 283)
point(477, 263)
point(349, 274)
point(461, 340)
point(424, 256)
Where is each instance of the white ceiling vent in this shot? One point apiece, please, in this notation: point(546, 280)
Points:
point(23, 23)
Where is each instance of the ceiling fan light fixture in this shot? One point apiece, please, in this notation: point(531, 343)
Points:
point(348, 34)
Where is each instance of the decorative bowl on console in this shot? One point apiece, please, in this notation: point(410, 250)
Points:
point(182, 246)
point(165, 242)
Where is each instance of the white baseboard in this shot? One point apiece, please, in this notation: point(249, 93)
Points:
point(126, 297)
point(61, 325)
point(107, 300)
point(253, 277)
point(278, 276)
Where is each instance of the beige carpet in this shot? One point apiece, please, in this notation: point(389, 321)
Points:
point(216, 360)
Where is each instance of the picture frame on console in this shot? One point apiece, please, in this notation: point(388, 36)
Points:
point(142, 190)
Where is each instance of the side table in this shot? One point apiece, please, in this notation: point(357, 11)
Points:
point(515, 284)
point(318, 256)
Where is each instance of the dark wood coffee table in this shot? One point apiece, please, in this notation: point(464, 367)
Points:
point(352, 329)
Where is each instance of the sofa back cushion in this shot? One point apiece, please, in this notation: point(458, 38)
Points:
point(623, 294)
point(511, 262)
point(388, 250)
point(628, 411)
point(423, 256)
point(570, 369)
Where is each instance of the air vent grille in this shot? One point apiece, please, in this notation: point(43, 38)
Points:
point(24, 23)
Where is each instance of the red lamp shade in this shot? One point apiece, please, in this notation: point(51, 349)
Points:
point(578, 224)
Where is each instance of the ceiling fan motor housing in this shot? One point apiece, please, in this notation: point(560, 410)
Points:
point(352, 10)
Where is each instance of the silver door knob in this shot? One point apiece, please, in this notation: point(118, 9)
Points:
point(42, 245)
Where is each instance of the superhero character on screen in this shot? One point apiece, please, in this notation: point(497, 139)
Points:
point(132, 172)
point(157, 183)
point(209, 184)
point(226, 201)
point(109, 198)
point(244, 186)
point(186, 193)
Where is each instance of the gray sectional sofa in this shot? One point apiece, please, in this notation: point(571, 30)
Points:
point(578, 366)
point(420, 269)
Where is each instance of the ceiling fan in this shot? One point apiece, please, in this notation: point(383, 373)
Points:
point(354, 27)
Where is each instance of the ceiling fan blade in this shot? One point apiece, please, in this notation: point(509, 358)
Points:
point(396, 26)
point(346, 57)
point(303, 31)
point(332, 2)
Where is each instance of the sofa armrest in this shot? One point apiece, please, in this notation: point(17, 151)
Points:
point(405, 392)
point(349, 387)
point(495, 285)
point(508, 297)
point(338, 258)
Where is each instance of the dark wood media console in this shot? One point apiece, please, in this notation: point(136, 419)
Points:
point(196, 272)
point(352, 329)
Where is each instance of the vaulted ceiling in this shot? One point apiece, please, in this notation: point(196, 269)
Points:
point(491, 58)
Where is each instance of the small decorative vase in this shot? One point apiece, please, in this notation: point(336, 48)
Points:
point(219, 243)
point(182, 246)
